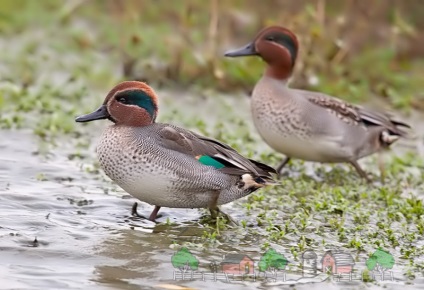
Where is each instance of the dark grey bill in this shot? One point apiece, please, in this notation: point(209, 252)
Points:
point(100, 113)
point(246, 50)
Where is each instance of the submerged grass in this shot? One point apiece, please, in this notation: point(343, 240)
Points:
point(59, 65)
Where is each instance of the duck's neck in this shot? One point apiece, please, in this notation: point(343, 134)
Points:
point(278, 73)
point(136, 118)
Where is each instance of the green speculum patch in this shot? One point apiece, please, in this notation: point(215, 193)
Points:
point(207, 160)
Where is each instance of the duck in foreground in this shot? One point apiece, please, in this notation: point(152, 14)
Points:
point(167, 166)
point(310, 125)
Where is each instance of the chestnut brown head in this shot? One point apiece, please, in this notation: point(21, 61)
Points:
point(277, 46)
point(129, 103)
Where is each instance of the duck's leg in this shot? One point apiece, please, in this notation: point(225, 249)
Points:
point(281, 166)
point(215, 211)
point(154, 213)
point(213, 205)
point(381, 166)
point(152, 217)
point(361, 172)
point(134, 211)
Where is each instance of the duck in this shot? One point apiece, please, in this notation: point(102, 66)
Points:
point(309, 125)
point(165, 165)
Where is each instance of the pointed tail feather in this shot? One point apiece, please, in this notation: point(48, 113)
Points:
point(264, 167)
point(265, 181)
point(402, 129)
point(400, 123)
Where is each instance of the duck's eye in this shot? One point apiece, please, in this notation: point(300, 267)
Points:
point(122, 100)
point(270, 38)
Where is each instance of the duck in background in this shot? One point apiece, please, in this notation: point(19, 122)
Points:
point(309, 125)
point(167, 166)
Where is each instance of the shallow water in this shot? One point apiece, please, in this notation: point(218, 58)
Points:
point(65, 228)
point(65, 231)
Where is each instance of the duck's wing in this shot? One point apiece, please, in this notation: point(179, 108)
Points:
point(354, 114)
point(211, 152)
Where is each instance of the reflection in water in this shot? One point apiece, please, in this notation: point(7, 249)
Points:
point(145, 259)
point(142, 256)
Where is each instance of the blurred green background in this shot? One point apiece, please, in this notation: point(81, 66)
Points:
point(350, 49)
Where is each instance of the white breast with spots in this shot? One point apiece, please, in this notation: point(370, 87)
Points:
point(136, 172)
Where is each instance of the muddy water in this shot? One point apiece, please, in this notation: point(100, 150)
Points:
point(60, 229)
point(63, 227)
